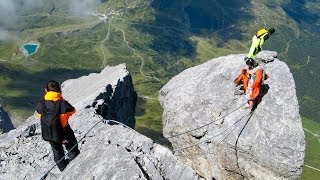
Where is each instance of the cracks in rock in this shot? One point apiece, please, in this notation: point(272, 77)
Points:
point(236, 146)
point(181, 172)
point(129, 148)
point(233, 171)
point(144, 172)
point(44, 156)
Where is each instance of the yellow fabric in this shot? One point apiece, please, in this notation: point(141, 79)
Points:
point(256, 44)
point(52, 96)
point(261, 32)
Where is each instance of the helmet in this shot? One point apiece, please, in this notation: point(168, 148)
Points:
point(250, 62)
point(271, 31)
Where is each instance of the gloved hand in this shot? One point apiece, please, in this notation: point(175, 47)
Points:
point(246, 59)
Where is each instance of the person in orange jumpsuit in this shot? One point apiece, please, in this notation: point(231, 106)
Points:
point(251, 78)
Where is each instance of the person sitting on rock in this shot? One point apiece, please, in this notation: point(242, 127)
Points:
point(257, 41)
point(54, 113)
point(251, 78)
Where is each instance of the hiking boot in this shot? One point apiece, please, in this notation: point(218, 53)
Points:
point(73, 155)
point(63, 164)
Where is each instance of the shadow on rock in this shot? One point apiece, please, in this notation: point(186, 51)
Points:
point(5, 122)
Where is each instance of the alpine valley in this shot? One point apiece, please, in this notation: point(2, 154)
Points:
point(156, 39)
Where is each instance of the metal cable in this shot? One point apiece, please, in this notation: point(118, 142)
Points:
point(103, 121)
point(190, 130)
point(176, 135)
point(48, 171)
point(200, 142)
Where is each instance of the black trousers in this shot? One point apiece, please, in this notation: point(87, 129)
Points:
point(58, 151)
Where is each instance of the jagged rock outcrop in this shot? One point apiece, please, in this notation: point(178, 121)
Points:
point(5, 121)
point(107, 152)
point(231, 143)
point(113, 98)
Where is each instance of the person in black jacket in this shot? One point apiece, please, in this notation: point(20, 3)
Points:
point(54, 113)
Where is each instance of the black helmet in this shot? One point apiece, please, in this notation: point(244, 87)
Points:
point(271, 31)
point(250, 62)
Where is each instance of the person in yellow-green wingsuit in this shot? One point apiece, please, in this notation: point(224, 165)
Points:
point(258, 40)
point(252, 76)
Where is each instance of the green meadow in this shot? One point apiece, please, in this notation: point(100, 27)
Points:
point(157, 40)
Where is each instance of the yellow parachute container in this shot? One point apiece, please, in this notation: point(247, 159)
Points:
point(261, 32)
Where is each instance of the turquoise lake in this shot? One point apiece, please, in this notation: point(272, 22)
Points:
point(30, 48)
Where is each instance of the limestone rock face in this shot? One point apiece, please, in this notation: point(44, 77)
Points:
point(5, 121)
point(229, 142)
point(114, 152)
point(110, 92)
point(107, 151)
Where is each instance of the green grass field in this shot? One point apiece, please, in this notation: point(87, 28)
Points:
point(158, 40)
point(312, 158)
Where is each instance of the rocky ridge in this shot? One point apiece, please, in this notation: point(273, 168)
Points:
point(107, 152)
point(227, 141)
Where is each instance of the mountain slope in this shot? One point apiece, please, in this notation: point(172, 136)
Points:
point(107, 151)
point(156, 39)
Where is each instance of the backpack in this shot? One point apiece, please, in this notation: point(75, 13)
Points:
point(51, 127)
point(261, 32)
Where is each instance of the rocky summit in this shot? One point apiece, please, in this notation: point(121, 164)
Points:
point(215, 133)
point(107, 151)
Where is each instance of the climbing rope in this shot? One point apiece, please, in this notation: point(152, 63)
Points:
point(236, 145)
point(48, 171)
point(103, 121)
point(250, 114)
point(206, 140)
point(199, 127)
point(114, 121)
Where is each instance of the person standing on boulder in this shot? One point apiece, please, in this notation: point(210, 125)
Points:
point(252, 79)
point(257, 41)
point(54, 113)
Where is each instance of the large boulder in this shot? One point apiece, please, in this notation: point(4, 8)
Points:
point(223, 140)
point(107, 151)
